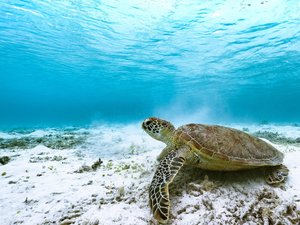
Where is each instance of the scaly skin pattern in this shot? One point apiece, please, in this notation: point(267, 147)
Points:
point(208, 147)
point(159, 188)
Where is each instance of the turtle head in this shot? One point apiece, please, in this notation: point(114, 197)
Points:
point(159, 129)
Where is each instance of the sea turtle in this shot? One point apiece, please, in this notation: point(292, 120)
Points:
point(208, 147)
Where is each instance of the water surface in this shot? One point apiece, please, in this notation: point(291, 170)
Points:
point(73, 62)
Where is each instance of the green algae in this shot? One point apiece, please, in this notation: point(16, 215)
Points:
point(109, 164)
point(276, 137)
point(245, 129)
point(4, 160)
point(132, 166)
point(93, 167)
point(55, 141)
point(134, 149)
point(97, 164)
point(35, 159)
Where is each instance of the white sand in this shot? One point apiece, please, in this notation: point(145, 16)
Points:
point(42, 187)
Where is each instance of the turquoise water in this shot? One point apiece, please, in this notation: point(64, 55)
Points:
point(76, 62)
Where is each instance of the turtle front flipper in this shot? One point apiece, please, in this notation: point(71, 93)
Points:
point(164, 152)
point(277, 174)
point(159, 188)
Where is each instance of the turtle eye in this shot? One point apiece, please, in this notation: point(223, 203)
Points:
point(148, 122)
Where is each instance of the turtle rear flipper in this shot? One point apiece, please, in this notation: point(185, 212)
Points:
point(277, 174)
point(159, 188)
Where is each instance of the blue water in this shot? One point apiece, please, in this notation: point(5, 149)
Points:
point(75, 62)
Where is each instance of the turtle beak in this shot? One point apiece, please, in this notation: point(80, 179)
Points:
point(146, 123)
point(143, 125)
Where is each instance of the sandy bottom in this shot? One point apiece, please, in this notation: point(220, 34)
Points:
point(48, 186)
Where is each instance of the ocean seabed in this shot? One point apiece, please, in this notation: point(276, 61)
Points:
point(105, 180)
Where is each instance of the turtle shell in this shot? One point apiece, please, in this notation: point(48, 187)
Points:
point(228, 144)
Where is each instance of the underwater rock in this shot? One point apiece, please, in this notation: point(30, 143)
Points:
point(97, 164)
point(208, 185)
point(20, 131)
point(245, 129)
point(264, 122)
point(62, 141)
point(54, 141)
point(83, 168)
point(15, 143)
point(12, 182)
point(35, 159)
point(277, 138)
point(93, 167)
point(120, 194)
point(4, 160)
